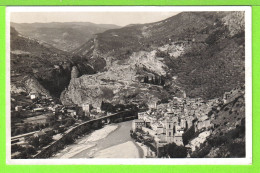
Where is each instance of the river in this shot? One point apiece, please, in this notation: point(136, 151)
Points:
point(112, 141)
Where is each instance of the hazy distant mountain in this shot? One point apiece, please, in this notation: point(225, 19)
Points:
point(64, 36)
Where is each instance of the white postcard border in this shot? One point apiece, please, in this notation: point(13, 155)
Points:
point(158, 161)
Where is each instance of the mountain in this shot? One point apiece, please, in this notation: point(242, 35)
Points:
point(64, 36)
point(39, 67)
point(201, 53)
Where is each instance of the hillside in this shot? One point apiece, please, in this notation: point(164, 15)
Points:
point(64, 36)
point(200, 52)
point(228, 135)
point(43, 64)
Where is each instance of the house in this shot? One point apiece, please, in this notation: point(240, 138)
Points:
point(38, 110)
point(53, 109)
point(72, 112)
point(230, 96)
point(178, 139)
point(99, 110)
point(179, 129)
point(141, 115)
point(138, 124)
point(204, 124)
point(86, 107)
point(41, 119)
point(183, 123)
point(171, 131)
point(18, 108)
point(60, 117)
point(33, 95)
point(152, 105)
point(203, 118)
point(39, 134)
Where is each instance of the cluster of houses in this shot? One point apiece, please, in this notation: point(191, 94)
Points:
point(170, 121)
point(231, 95)
point(42, 106)
point(40, 110)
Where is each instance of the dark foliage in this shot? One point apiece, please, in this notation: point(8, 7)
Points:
point(174, 151)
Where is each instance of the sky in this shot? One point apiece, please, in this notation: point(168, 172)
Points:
point(117, 18)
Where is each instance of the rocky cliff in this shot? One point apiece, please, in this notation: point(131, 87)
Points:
point(200, 52)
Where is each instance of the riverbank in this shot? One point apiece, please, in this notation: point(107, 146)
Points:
point(86, 142)
point(125, 150)
point(144, 148)
point(111, 141)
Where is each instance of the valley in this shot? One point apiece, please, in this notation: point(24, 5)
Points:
point(190, 74)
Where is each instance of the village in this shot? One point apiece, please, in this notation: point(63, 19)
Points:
point(184, 121)
point(40, 120)
point(43, 119)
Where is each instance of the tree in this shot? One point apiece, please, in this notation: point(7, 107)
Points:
point(96, 125)
point(42, 126)
point(15, 148)
point(174, 151)
point(45, 140)
point(68, 140)
point(162, 81)
point(146, 80)
point(56, 126)
point(50, 133)
point(34, 141)
point(30, 151)
point(70, 122)
point(37, 127)
point(17, 132)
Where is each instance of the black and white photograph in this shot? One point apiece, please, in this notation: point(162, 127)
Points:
point(129, 85)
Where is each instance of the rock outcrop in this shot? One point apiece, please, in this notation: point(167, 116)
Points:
point(74, 72)
point(207, 56)
point(32, 85)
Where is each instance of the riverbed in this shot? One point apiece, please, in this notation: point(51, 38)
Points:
point(111, 141)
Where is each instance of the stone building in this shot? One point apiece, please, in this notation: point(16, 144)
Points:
point(171, 131)
point(33, 95)
point(139, 123)
point(86, 107)
point(18, 108)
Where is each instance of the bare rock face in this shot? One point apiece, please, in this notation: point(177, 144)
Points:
point(94, 89)
point(32, 85)
point(177, 46)
point(74, 72)
point(235, 22)
point(16, 89)
point(85, 90)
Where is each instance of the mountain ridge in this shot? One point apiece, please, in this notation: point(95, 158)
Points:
point(206, 57)
point(65, 36)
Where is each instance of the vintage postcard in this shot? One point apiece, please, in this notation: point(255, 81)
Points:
point(129, 85)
